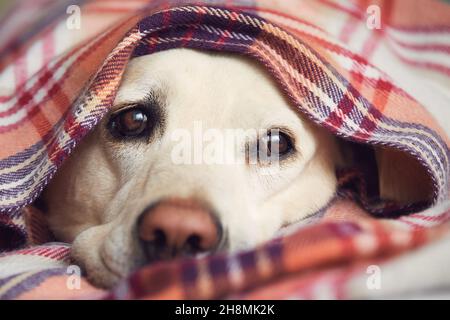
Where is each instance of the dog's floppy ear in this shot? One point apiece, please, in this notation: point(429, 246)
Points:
point(401, 177)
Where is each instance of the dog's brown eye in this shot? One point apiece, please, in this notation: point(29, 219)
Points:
point(129, 123)
point(281, 141)
point(275, 144)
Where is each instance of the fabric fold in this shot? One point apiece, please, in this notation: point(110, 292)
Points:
point(330, 65)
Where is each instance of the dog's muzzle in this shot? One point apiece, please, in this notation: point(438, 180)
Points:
point(178, 227)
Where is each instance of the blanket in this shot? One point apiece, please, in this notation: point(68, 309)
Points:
point(375, 73)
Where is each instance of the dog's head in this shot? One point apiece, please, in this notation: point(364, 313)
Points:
point(200, 152)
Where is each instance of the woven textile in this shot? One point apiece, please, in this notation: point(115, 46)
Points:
point(373, 85)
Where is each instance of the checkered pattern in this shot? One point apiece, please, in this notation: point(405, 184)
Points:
point(361, 84)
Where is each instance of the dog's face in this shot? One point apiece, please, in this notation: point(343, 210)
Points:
point(155, 179)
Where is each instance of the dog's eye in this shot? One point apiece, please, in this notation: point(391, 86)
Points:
point(275, 144)
point(131, 122)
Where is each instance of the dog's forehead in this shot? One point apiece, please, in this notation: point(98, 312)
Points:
point(222, 90)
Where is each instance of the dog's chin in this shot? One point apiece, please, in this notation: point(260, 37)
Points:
point(103, 276)
point(97, 271)
point(105, 259)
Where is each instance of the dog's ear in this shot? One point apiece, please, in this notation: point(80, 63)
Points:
point(401, 177)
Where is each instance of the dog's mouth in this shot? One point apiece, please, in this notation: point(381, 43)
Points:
point(158, 250)
point(154, 255)
point(118, 271)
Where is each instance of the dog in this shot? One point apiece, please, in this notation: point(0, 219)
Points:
point(125, 199)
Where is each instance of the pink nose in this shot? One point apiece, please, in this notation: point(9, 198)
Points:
point(177, 227)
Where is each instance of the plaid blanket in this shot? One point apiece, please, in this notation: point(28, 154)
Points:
point(375, 73)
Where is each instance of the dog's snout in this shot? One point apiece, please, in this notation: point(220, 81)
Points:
point(178, 227)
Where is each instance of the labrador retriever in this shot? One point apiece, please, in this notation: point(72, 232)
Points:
point(155, 180)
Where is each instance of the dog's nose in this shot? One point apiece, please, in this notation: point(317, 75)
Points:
point(178, 227)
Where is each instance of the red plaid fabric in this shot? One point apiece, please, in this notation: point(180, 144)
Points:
point(369, 84)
